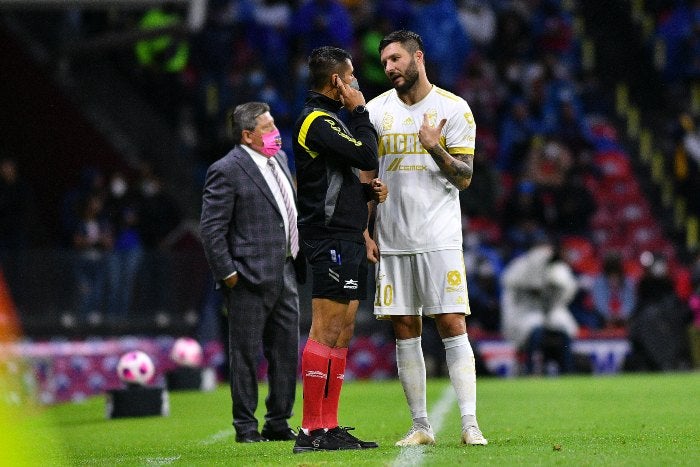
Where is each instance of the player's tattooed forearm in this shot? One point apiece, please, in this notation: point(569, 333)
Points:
point(462, 169)
point(458, 169)
point(439, 155)
point(464, 165)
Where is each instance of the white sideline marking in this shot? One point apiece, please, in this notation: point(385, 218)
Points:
point(209, 440)
point(413, 455)
point(216, 437)
point(162, 460)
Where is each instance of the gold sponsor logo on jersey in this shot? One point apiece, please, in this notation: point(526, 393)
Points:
point(408, 121)
point(469, 117)
point(401, 143)
point(397, 166)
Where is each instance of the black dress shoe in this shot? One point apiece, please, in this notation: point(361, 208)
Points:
point(281, 435)
point(250, 437)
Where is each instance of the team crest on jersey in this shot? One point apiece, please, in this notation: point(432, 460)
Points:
point(432, 117)
point(387, 122)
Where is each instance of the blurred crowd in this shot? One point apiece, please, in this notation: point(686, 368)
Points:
point(116, 226)
point(541, 128)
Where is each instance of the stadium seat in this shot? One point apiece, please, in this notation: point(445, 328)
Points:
point(614, 164)
point(580, 253)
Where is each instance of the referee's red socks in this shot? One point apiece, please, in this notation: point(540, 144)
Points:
point(314, 371)
point(336, 374)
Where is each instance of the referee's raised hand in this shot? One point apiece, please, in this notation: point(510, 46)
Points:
point(349, 96)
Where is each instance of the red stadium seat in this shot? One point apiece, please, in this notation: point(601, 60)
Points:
point(580, 253)
point(614, 164)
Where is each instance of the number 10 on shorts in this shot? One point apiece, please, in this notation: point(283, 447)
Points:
point(384, 295)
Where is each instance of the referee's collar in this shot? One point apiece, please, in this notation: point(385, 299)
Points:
point(316, 99)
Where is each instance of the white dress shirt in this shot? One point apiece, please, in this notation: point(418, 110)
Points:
point(261, 161)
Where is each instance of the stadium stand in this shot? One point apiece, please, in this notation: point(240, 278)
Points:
point(562, 89)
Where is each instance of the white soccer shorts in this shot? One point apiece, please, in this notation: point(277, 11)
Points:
point(421, 284)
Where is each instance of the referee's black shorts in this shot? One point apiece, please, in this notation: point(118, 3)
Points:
point(339, 268)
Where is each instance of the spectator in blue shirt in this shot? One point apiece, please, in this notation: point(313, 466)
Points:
point(614, 294)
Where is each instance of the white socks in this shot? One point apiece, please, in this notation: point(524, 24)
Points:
point(411, 368)
point(460, 365)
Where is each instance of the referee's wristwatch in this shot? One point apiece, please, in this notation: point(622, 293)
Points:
point(359, 109)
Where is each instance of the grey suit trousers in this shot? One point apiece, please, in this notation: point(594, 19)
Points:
point(261, 316)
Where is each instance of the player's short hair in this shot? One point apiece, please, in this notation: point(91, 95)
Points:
point(409, 40)
point(325, 61)
point(244, 117)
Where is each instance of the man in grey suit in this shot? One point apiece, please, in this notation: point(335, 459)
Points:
point(250, 239)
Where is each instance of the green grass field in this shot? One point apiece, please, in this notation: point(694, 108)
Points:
point(615, 420)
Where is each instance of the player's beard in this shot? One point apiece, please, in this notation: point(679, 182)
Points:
point(410, 77)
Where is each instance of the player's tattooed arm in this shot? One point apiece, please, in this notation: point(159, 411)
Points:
point(458, 168)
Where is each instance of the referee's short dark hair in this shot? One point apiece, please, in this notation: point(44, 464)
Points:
point(325, 61)
point(409, 40)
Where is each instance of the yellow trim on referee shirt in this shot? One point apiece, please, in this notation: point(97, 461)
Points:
point(305, 129)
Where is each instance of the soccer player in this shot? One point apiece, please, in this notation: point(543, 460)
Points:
point(426, 152)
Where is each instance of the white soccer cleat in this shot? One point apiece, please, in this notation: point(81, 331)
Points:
point(473, 437)
point(418, 434)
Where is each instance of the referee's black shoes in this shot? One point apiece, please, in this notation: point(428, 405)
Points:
point(321, 440)
point(343, 432)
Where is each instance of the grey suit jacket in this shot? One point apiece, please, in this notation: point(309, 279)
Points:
point(241, 225)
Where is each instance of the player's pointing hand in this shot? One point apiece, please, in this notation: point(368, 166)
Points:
point(430, 136)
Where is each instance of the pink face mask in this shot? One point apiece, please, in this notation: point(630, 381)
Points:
point(272, 143)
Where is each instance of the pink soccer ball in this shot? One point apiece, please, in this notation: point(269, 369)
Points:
point(135, 367)
point(187, 352)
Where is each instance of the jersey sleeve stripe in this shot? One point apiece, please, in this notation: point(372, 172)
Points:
point(305, 129)
point(468, 151)
point(447, 94)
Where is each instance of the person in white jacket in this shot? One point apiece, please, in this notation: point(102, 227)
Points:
point(538, 287)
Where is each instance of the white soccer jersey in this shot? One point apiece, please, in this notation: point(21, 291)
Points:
point(422, 211)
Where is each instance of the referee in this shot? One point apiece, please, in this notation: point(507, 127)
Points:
point(332, 223)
